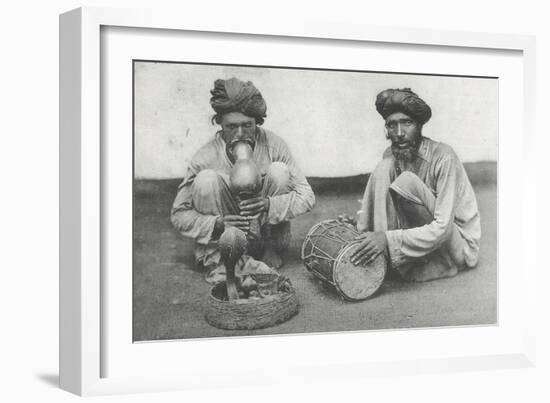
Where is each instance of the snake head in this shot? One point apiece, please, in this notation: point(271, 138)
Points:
point(232, 245)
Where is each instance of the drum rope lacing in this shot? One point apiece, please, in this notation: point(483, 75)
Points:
point(329, 236)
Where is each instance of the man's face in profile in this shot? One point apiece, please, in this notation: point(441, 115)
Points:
point(238, 127)
point(404, 134)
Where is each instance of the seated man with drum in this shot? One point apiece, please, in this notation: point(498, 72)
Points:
point(419, 207)
point(245, 178)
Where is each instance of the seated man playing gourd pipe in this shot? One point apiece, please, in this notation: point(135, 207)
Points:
point(209, 200)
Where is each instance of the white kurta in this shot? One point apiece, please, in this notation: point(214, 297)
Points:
point(454, 208)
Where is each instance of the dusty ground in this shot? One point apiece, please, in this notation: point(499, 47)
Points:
point(169, 292)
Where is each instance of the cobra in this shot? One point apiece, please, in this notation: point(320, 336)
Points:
point(232, 245)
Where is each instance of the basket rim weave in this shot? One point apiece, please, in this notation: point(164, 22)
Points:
point(247, 315)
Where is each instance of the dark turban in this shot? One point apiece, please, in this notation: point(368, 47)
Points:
point(405, 101)
point(234, 95)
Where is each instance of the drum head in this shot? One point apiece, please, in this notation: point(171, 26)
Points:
point(357, 283)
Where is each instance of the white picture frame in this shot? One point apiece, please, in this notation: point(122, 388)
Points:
point(82, 179)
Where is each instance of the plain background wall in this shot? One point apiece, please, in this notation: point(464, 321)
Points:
point(29, 201)
point(327, 118)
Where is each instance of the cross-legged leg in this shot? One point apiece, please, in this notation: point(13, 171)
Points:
point(211, 196)
point(277, 237)
point(415, 206)
point(277, 179)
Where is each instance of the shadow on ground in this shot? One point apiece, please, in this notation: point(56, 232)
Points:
point(169, 292)
point(49, 379)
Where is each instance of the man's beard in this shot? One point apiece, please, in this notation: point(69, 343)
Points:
point(408, 153)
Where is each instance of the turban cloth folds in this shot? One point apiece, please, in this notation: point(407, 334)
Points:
point(405, 101)
point(234, 95)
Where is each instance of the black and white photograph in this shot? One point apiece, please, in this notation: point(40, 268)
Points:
point(271, 200)
point(278, 201)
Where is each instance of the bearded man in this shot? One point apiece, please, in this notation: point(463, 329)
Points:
point(205, 204)
point(419, 206)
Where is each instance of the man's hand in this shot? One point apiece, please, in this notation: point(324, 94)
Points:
point(254, 206)
point(372, 244)
point(347, 219)
point(237, 221)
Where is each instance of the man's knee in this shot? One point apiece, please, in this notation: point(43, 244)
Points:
point(278, 174)
point(211, 194)
point(407, 182)
point(411, 188)
point(412, 199)
point(206, 183)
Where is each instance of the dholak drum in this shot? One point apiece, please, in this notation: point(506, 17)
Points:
point(326, 253)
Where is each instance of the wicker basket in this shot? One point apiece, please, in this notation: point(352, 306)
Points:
point(247, 314)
